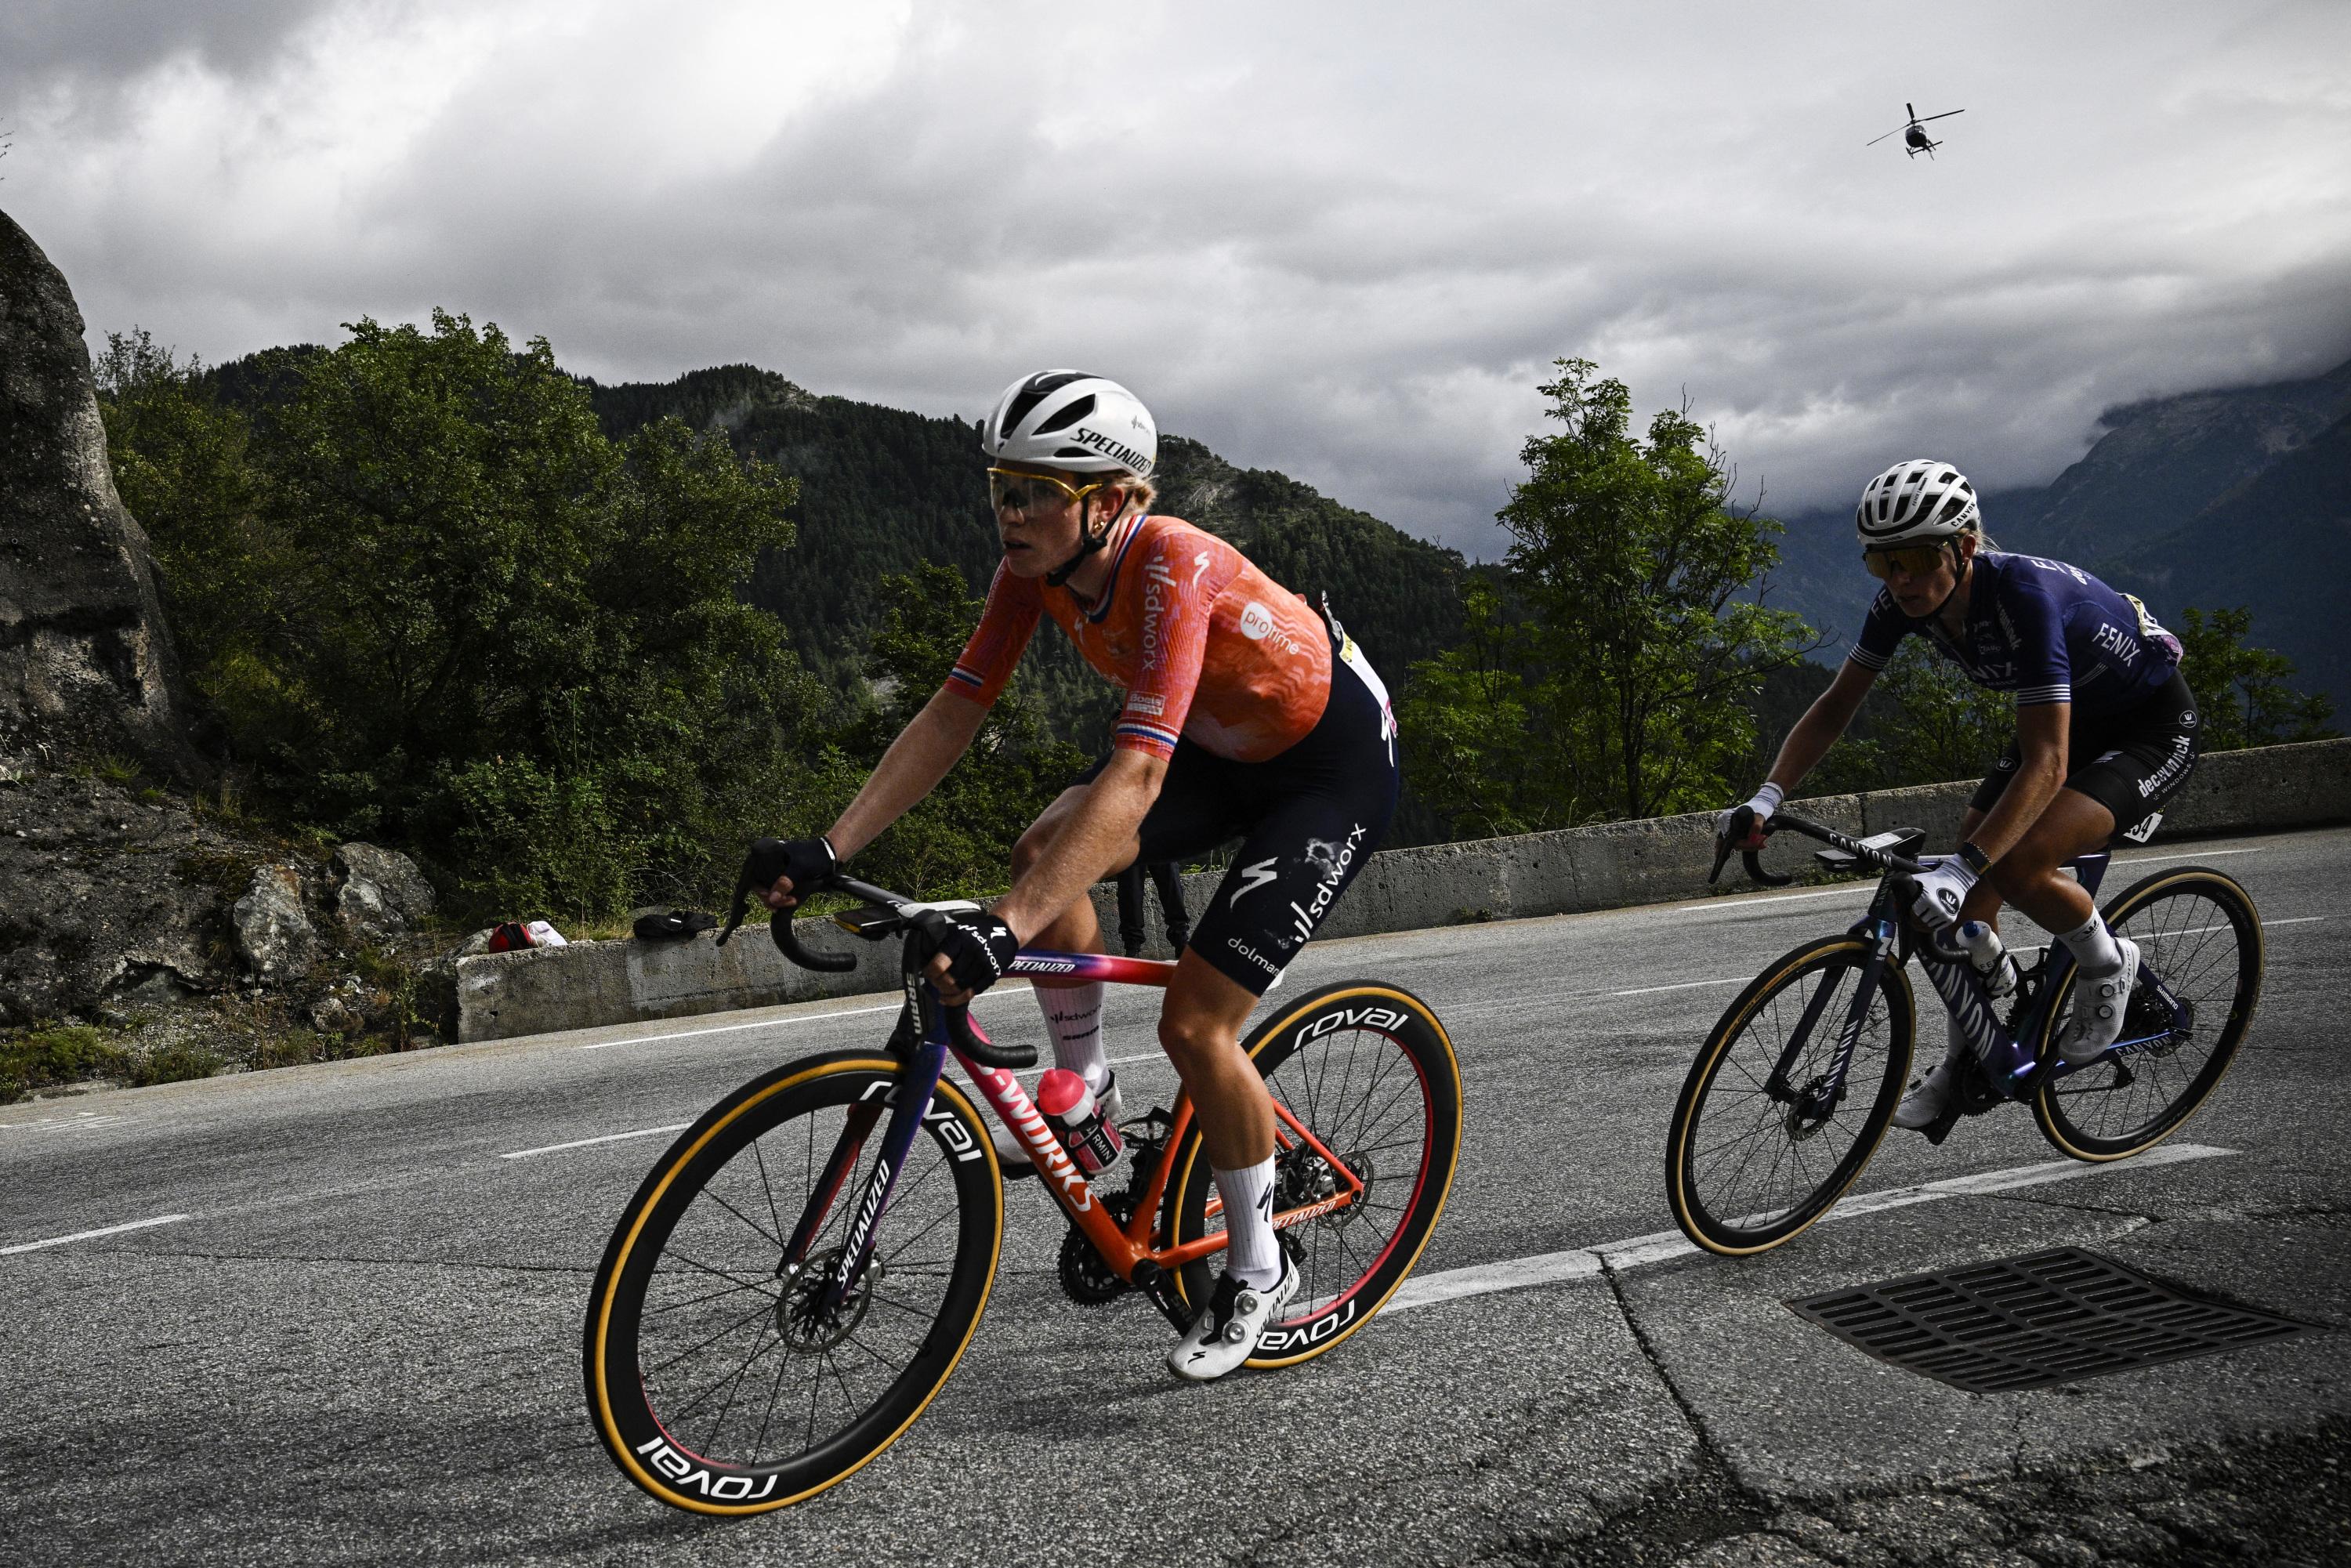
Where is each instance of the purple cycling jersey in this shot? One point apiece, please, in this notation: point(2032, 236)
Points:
point(2048, 632)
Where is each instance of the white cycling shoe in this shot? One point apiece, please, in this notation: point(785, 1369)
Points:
point(2099, 1002)
point(1928, 1096)
point(1227, 1332)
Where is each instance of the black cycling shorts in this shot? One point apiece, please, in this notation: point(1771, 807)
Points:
point(1307, 820)
point(2137, 759)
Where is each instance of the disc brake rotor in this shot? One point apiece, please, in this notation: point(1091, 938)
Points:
point(801, 1323)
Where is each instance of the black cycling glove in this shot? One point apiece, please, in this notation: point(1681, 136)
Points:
point(978, 947)
point(810, 863)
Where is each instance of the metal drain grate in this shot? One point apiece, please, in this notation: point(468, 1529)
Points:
point(2048, 1317)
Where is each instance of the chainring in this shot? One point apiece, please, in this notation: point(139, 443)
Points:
point(1086, 1279)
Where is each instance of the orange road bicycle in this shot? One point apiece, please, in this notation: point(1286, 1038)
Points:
point(802, 1269)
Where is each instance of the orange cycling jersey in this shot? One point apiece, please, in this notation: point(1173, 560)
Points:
point(1207, 647)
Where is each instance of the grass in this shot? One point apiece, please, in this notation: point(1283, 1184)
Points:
point(58, 1055)
point(47, 1058)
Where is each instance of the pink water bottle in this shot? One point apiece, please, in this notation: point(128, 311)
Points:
point(1066, 1101)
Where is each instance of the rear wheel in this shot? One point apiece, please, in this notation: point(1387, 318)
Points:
point(1750, 1162)
point(2200, 939)
point(715, 1381)
point(1370, 1070)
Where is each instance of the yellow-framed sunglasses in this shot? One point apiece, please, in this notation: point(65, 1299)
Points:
point(1010, 490)
point(1915, 560)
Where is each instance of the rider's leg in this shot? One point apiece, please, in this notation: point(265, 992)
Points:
point(1201, 1028)
point(1931, 1090)
point(2027, 876)
point(1072, 1013)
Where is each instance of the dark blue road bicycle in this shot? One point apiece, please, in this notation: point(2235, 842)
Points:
point(1799, 1080)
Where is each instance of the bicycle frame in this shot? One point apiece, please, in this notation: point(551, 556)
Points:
point(1128, 1249)
point(2009, 1069)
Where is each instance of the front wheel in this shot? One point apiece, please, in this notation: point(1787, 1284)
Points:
point(1768, 1133)
point(715, 1379)
point(2200, 941)
point(1369, 1070)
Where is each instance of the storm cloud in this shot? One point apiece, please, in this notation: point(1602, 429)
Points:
point(1344, 241)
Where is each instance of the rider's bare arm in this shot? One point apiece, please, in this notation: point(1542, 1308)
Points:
point(2039, 774)
point(1822, 722)
point(929, 744)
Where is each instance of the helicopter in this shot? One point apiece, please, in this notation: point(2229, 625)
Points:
point(1914, 140)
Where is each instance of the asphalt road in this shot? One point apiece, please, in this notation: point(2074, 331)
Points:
point(346, 1329)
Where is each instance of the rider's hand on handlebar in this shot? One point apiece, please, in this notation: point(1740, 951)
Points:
point(784, 870)
point(1765, 801)
point(971, 951)
point(1941, 891)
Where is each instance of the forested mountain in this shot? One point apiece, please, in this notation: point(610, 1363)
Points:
point(882, 490)
point(2211, 499)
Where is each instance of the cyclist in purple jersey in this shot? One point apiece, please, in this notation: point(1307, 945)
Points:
point(2048, 632)
point(2106, 734)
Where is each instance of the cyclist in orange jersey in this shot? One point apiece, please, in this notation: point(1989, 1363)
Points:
point(1247, 716)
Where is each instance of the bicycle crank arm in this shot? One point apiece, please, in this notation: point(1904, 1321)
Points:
point(1159, 1286)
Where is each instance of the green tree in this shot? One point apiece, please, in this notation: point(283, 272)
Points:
point(1934, 724)
point(428, 598)
point(2247, 693)
point(1633, 657)
point(959, 838)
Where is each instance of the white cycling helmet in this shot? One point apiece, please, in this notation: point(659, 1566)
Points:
point(1920, 499)
point(1068, 419)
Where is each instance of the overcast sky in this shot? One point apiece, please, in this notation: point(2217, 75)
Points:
point(1340, 240)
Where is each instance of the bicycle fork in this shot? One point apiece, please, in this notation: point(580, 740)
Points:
point(1819, 1101)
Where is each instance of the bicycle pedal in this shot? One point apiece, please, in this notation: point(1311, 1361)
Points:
point(1940, 1127)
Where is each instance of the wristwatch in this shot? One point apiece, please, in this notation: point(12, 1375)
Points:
point(1977, 860)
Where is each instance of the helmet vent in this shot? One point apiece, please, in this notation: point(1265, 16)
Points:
point(1068, 416)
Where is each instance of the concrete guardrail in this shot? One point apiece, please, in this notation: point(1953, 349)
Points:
point(1605, 866)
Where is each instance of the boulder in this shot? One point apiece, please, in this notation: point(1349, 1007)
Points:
point(364, 911)
point(273, 934)
point(392, 880)
point(86, 665)
point(107, 900)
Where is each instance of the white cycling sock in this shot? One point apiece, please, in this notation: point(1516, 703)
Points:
point(1253, 1252)
point(1073, 1017)
point(2092, 947)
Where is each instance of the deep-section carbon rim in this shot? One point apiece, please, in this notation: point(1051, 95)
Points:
point(714, 1383)
point(1746, 1170)
point(2199, 932)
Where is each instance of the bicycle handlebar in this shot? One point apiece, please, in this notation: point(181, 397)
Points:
point(917, 953)
point(1742, 823)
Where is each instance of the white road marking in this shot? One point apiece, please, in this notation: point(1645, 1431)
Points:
point(730, 1028)
point(64, 1124)
point(1582, 1262)
point(607, 1138)
point(93, 1235)
point(1738, 903)
point(2191, 856)
point(773, 1023)
point(1678, 986)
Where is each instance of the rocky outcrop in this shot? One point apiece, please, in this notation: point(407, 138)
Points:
point(86, 665)
point(382, 891)
point(274, 935)
point(108, 898)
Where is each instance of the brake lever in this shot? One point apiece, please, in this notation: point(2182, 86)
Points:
point(1742, 823)
point(922, 941)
